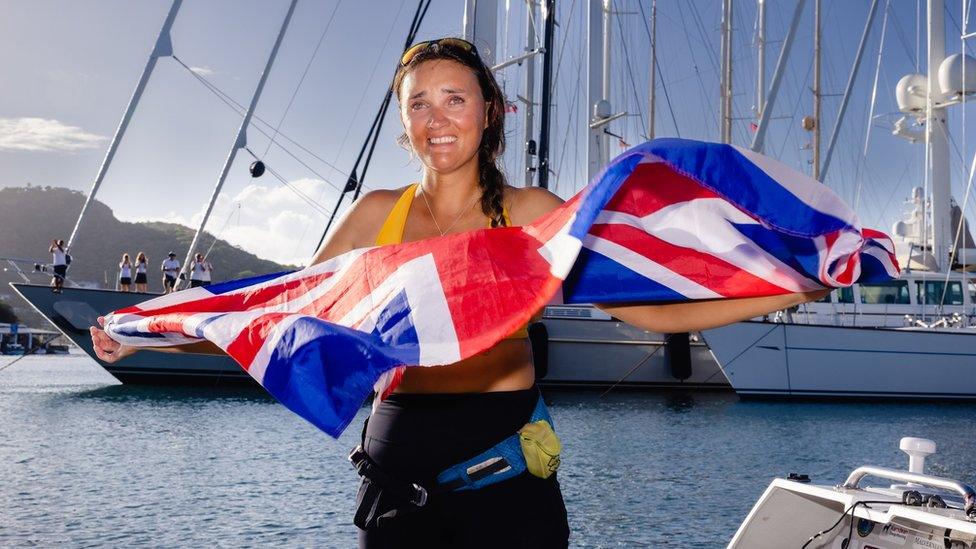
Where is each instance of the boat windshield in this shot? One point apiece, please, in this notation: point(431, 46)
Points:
point(931, 291)
point(894, 292)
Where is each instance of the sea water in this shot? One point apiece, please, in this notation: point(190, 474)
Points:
point(85, 461)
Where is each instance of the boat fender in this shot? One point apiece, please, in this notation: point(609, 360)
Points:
point(799, 477)
point(912, 498)
point(539, 340)
point(934, 501)
point(678, 350)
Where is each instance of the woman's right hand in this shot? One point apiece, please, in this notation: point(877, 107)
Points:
point(106, 348)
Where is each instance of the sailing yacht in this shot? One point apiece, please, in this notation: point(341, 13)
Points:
point(914, 337)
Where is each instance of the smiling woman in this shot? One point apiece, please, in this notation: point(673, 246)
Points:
point(430, 419)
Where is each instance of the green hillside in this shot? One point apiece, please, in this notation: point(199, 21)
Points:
point(30, 217)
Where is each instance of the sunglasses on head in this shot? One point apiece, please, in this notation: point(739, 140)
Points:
point(457, 44)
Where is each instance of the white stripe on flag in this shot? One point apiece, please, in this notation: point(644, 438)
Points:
point(418, 278)
point(650, 269)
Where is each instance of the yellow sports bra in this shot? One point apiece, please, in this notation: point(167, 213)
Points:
point(392, 233)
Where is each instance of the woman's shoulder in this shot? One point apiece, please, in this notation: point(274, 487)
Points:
point(373, 207)
point(361, 223)
point(526, 204)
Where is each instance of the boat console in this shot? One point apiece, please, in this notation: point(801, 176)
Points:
point(918, 510)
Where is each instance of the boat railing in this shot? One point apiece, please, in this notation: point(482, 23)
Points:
point(966, 491)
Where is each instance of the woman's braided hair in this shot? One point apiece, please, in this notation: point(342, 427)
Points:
point(490, 179)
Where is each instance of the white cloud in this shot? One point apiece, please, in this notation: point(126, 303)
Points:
point(44, 135)
point(271, 222)
point(202, 71)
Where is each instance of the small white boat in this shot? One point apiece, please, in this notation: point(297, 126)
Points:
point(919, 510)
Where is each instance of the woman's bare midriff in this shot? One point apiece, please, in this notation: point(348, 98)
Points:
point(505, 367)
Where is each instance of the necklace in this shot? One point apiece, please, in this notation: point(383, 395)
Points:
point(456, 219)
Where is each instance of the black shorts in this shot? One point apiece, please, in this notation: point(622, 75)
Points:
point(60, 271)
point(140, 278)
point(415, 436)
point(196, 283)
point(169, 281)
point(125, 280)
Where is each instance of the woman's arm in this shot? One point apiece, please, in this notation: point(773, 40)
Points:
point(109, 350)
point(701, 315)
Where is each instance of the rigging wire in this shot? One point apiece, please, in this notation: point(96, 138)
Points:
point(239, 109)
point(217, 236)
point(694, 63)
point(298, 192)
point(571, 113)
point(301, 80)
point(572, 116)
point(355, 115)
point(354, 183)
point(664, 86)
point(903, 40)
point(630, 73)
point(877, 73)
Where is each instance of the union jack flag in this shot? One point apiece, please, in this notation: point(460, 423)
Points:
point(669, 220)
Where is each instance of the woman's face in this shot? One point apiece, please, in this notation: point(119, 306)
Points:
point(443, 112)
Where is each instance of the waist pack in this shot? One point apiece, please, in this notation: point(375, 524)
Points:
point(534, 448)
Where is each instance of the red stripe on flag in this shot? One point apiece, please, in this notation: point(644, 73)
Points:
point(260, 297)
point(705, 269)
point(250, 340)
point(654, 186)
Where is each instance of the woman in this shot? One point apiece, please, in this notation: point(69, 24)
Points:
point(125, 274)
point(452, 112)
point(142, 265)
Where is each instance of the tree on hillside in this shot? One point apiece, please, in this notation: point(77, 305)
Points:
point(7, 313)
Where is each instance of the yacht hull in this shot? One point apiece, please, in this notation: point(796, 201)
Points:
point(72, 311)
point(800, 360)
point(587, 349)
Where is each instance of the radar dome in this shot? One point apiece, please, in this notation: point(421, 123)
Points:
point(910, 93)
point(951, 73)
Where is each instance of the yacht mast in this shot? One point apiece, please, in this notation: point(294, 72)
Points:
point(653, 84)
point(937, 136)
point(481, 27)
point(847, 91)
point(726, 71)
point(529, 98)
point(760, 56)
point(240, 142)
point(163, 48)
point(816, 89)
point(784, 53)
point(598, 88)
point(549, 12)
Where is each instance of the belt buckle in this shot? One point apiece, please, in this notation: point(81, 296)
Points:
point(420, 496)
point(356, 455)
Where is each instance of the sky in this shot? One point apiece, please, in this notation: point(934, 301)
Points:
point(69, 68)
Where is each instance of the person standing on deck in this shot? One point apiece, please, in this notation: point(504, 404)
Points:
point(59, 262)
point(142, 266)
point(200, 272)
point(125, 274)
point(170, 269)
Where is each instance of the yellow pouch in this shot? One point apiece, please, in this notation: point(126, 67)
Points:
point(541, 448)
